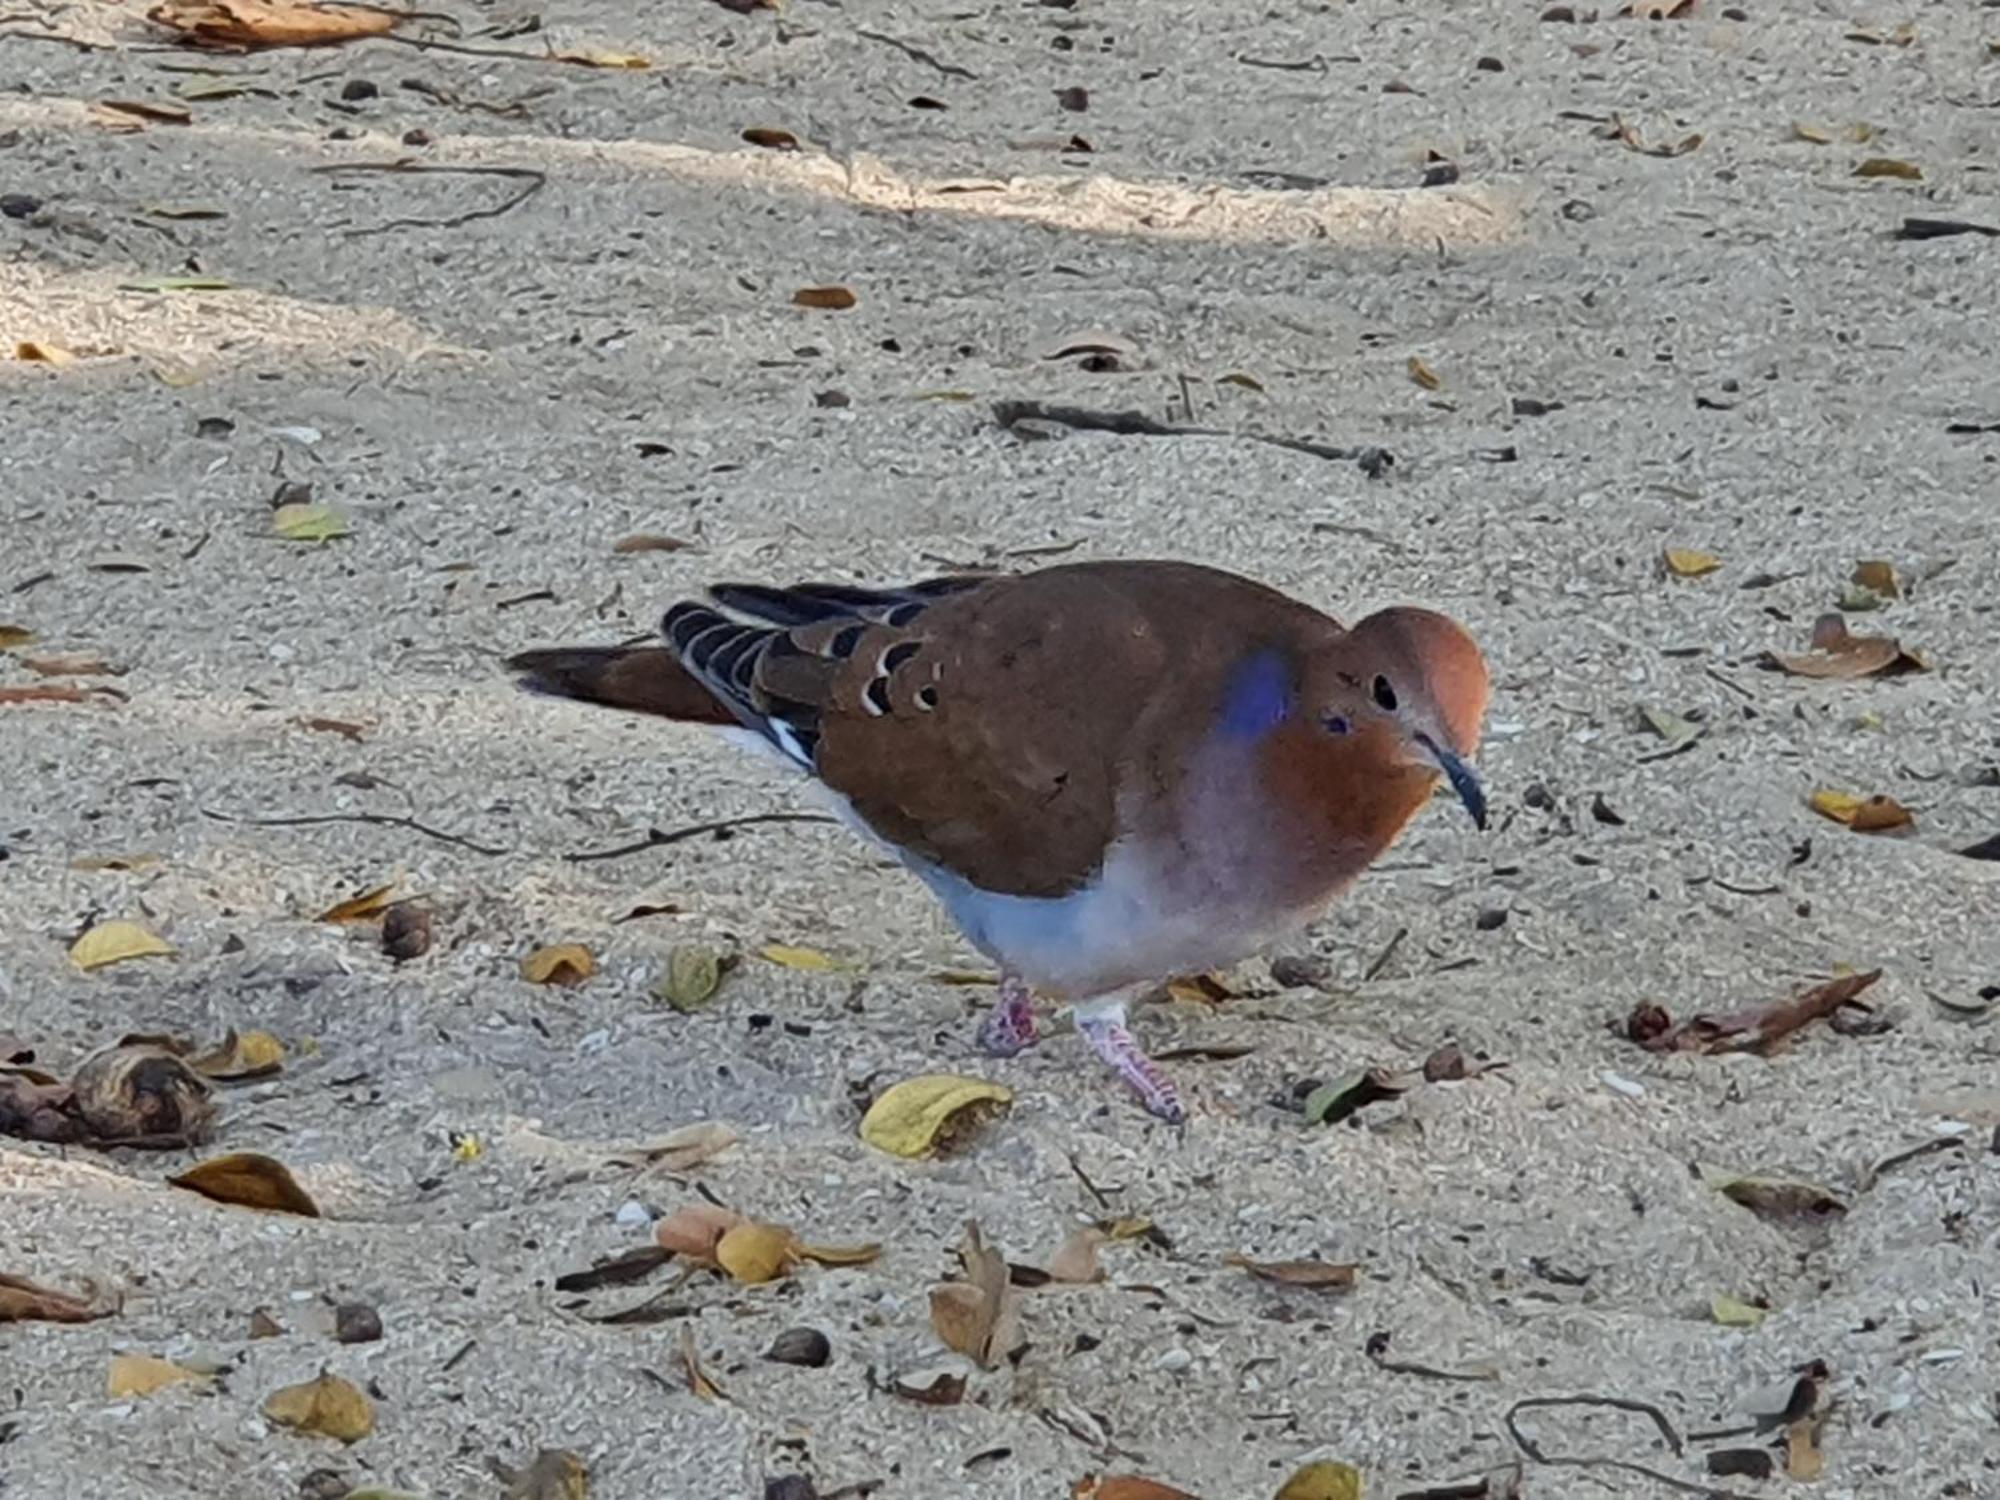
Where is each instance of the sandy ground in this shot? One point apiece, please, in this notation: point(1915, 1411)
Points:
point(1746, 363)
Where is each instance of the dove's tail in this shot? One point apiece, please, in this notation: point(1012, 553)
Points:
point(643, 679)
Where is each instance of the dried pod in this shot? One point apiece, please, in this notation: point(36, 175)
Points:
point(142, 1095)
point(800, 1346)
point(406, 931)
point(356, 1323)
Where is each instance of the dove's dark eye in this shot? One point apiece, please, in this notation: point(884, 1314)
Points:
point(1335, 724)
point(1385, 695)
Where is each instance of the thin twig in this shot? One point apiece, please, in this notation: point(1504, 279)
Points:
point(385, 820)
point(657, 838)
point(1377, 1350)
point(535, 180)
point(1535, 1453)
point(1374, 461)
point(917, 54)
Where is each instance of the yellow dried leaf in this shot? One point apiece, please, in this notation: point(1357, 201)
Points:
point(303, 521)
point(143, 1374)
point(362, 908)
point(466, 1146)
point(326, 1407)
point(246, 1179)
point(1878, 576)
point(811, 960)
point(559, 963)
point(1424, 375)
point(1683, 562)
point(249, 1054)
point(833, 298)
point(1877, 814)
point(1237, 377)
point(114, 942)
point(753, 1253)
point(1325, 1480)
point(1817, 134)
point(30, 351)
point(931, 1113)
point(16, 635)
point(1733, 1312)
point(1890, 166)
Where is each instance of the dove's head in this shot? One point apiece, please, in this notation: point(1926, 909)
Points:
point(1376, 718)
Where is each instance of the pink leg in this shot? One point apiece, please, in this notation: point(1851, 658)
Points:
point(1010, 1026)
point(1105, 1031)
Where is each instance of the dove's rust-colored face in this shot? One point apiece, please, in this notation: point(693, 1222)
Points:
point(1390, 710)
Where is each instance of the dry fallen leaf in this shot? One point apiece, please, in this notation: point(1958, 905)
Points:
point(1075, 1259)
point(808, 960)
point(268, 23)
point(21, 1301)
point(587, 58)
point(1423, 374)
point(1837, 653)
point(559, 963)
point(114, 942)
point(1318, 1274)
point(1878, 576)
point(326, 1407)
point(690, 977)
point(1803, 1460)
point(834, 298)
point(929, 1388)
point(306, 521)
point(143, 1374)
point(241, 1055)
point(1125, 1487)
point(1876, 814)
point(698, 1379)
point(365, 907)
point(1890, 166)
point(553, 1474)
point(753, 1253)
point(74, 664)
point(138, 112)
point(31, 351)
point(771, 139)
point(1325, 1480)
point(975, 1317)
point(1756, 1029)
point(932, 1114)
point(1683, 562)
point(16, 635)
point(1782, 1198)
point(841, 1255)
point(248, 1180)
point(1734, 1312)
point(694, 1229)
point(648, 542)
point(55, 692)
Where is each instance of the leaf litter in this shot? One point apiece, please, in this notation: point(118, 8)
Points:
point(1837, 653)
point(977, 1316)
point(934, 1114)
point(1754, 1029)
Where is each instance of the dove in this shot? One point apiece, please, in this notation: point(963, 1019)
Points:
point(1109, 773)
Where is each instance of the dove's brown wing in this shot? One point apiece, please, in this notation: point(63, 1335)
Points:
point(985, 725)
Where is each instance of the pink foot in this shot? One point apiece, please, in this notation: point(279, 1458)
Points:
point(1010, 1026)
point(1116, 1046)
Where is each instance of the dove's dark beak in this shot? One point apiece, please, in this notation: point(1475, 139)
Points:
point(1461, 777)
